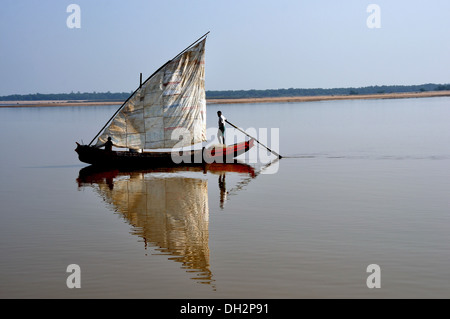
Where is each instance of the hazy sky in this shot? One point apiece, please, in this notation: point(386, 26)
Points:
point(253, 44)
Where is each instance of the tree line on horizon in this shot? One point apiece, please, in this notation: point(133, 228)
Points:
point(384, 89)
point(236, 94)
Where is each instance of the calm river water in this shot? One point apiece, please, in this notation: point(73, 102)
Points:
point(363, 182)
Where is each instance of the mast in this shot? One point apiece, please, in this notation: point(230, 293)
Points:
point(140, 85)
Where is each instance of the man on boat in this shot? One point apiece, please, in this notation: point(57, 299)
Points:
point(108, 145)
point(221, 131)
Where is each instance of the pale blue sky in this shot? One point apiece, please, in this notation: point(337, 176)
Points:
point(252, 45)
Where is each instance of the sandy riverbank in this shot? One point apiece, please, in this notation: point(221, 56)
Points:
point(331, 97)
point(246, 100)
point(54, 103)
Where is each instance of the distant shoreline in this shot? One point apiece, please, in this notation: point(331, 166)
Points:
point(331, 97)
point(242, 100)
point(55, 103)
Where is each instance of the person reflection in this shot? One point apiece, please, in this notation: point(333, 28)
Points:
point(110, 182)
point(223, 190)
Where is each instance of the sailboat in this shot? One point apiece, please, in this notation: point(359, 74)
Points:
point(163, 120)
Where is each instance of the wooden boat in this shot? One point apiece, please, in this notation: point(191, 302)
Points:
point(162, 121)
point(216, 154)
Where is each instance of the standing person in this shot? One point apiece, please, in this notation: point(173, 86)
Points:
point(221, 131)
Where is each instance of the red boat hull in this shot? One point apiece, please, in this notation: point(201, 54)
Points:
point(217, 154)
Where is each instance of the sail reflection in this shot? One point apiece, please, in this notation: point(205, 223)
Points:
point(168, 211)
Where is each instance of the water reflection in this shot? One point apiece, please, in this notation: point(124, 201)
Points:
point(168, 211)
point(223, 190)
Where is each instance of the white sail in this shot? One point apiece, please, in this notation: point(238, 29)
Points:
point(173, 98)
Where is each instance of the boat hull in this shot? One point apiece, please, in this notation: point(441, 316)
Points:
point(218, 154)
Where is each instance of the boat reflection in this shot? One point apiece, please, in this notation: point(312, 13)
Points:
point(169, 211)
